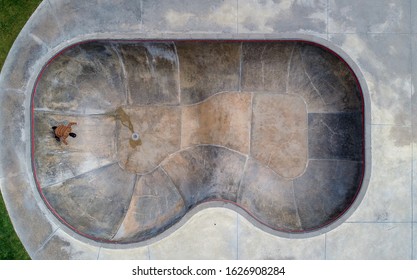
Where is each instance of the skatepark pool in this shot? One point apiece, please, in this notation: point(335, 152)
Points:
point(271, 129)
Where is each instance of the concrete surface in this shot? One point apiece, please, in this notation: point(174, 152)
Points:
point(291, 158)
point(378, 42)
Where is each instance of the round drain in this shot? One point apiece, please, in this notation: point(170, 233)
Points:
point(135, 136)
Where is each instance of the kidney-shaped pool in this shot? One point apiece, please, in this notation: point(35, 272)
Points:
point(129, 136)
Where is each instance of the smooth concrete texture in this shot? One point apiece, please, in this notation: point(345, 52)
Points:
point(413, 17)
point(370, 241)
point(279, 129)
point(141, 253)
point(210, 234)
point(379, 43)
point(414, 240)
point(269, 247)
point(414, 131)
point(260, 188)
point(414, 184)
point(388, 199)
point(222, 120)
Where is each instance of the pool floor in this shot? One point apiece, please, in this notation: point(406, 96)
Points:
point(275, 129)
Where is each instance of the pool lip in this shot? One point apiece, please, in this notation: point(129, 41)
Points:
point(308, 39)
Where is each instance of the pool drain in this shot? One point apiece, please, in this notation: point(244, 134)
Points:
point(135, 136)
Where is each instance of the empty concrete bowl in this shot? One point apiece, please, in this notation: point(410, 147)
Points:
point(272, 129)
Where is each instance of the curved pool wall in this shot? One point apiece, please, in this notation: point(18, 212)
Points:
point(275, 128)
point(33, 221)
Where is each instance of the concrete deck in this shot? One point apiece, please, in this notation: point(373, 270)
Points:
point(377, 41)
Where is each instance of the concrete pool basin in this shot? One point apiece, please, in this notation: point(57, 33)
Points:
point(378, 44)
point(272, 129)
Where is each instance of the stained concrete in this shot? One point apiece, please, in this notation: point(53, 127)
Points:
point(201, 138)
point(378, 45)
point(151, 71)
point(207, 68)
point(282, 16)
point(325, 188)
point(159, 129)
point(180, 15)
point(94, 147)
point(333, 136)
point(29, 220)
point(279, 133)
point(387, 17)
point(10, 164)
point(222, 120)
point(96, 202)
point(206, 172)
point(107, 18)
point(86, 79)
point(387, 59)
point(265, 66)
point(329, 77)
point(269, 197)
point(61, 246)
point(163, 202)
